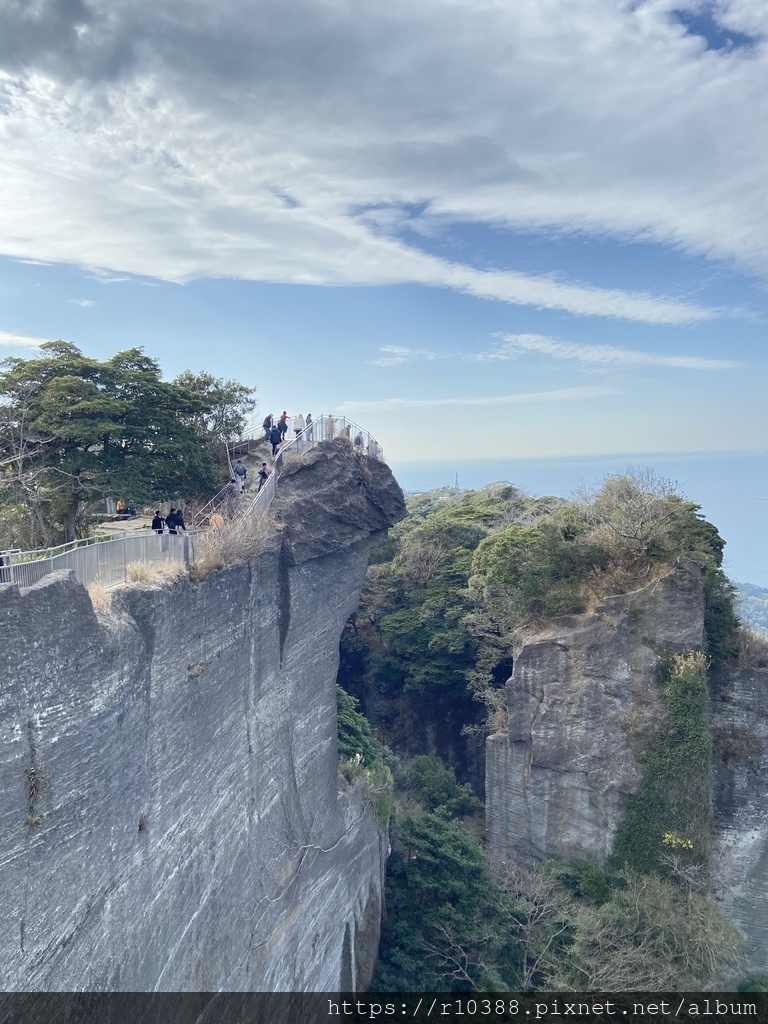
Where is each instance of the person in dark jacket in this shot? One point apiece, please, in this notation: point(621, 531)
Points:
point(158, 523)
point(170, 521)
point(180, 524)
point(267, 424)
point(275, 436)
point(282, 424)
point(264, 474)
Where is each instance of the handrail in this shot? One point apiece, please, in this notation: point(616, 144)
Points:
point(322, 429)
point(216, 502)
point(27, 567)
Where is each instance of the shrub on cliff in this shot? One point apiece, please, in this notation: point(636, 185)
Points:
point(362, 758)
point(649, 935)
point(667, 824)
point(232, 542)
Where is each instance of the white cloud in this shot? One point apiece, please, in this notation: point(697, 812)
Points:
point(9, 340)
point(608, 356)
point(396, 405)
point(396, 355)
point(192, 142)
point(84, 303)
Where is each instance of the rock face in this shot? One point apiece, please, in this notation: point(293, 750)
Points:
point(740, 732)
point(582, 699)
point(172, 816)
point(330, 498)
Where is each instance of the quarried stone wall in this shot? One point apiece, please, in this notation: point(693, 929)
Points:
point(171, 815)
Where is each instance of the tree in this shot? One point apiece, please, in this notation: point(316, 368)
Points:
point(226, 404)
point(74, 430)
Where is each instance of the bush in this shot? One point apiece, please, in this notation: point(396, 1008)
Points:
point(675, 797)
point(236, 541)
point(355, 736)
point(435, 785)
point(753, 648)
point(642, 933)
point(101, 599)
point(154, 572)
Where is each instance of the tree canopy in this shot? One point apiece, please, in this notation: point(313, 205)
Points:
point(74, 430)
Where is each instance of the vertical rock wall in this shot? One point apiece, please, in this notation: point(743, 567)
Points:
point(582, 699)
point(171, 816)
point(739, 715)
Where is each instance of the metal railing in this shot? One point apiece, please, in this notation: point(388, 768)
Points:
point(325, 428)
point(97, 559)
point(103, 559)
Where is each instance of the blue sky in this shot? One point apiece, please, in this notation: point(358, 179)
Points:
point(509, 231)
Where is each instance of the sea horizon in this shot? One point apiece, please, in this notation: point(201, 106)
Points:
point(729, 486)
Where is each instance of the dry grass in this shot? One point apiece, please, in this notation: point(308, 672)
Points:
point(753, 649)
point(154, 572)
point(101, 599)
point(237, 541)
point(293, 461)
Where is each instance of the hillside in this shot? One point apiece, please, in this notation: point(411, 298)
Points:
point(571, 641)
point(752, 606)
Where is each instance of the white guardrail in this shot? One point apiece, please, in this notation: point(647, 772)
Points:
point(103, 559)
point(97, 559)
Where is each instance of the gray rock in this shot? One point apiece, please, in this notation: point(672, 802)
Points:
point(172, 817)
point(740, 733)
point(330, 498)
point(582, 699)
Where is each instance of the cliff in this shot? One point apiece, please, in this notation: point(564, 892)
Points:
point(740, 732)
point(582, 699)
point(172, 816)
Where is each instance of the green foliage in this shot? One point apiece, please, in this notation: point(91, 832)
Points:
point(536, 570)
point(442, 931)
point(585, 878)
point(433, 784)
point(355, 736)
point(74, 430)
point(674, 799)
point(650, 935)
point(225, 405)
point(362, 757)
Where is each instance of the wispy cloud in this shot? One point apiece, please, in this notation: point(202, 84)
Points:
point(103, 277)
point(607, 356)
point(8, 340)
point(396, 355)
point(395, 405)
point(84, 303)
point(161, 174)
point(35, 263)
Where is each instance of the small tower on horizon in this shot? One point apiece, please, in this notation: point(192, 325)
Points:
point(456, 484)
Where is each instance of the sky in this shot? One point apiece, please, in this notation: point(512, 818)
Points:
point(487, 231)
